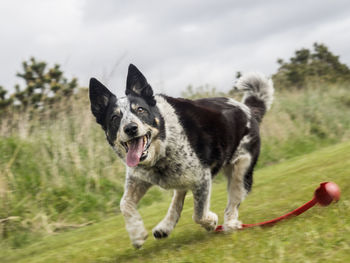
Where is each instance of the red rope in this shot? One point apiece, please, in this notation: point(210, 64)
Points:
point(324, 195)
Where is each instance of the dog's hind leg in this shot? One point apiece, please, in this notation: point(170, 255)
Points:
point(239, 176)
point(164, 228)
point(201, 194)
point(134, 191)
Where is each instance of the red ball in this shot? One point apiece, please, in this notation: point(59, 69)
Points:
point(326, 193)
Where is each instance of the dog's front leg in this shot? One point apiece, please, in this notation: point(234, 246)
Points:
point(202, 215)
point(134, 191)
point(164, 228)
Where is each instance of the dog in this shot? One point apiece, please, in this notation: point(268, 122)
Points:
point(182, 144)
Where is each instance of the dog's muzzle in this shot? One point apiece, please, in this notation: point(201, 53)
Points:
point(137, 149)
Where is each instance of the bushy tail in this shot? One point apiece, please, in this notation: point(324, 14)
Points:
point(258, 93)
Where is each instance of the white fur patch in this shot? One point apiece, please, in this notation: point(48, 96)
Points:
point(134, 191)
point(256, 84)
point(243, 107)
point(165, 227)
point(236, 191)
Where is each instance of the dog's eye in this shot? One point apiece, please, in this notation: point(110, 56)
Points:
point(115, 117)
point(140, 110)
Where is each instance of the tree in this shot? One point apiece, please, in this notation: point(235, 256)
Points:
point(4, 101)
point(306, 65)
point(43, 86)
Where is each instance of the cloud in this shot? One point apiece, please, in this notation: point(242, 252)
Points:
point(174, 43)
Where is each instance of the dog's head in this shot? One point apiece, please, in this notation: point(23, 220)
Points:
point(133, 124)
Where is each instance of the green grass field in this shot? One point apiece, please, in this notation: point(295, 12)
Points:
point(322, 234)
point(57, 170)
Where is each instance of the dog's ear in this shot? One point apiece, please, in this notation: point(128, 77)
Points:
point(137, 85)
point(100, 97)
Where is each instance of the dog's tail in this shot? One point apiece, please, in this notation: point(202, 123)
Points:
point(258, 93)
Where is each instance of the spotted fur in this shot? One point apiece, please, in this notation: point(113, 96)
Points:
point(185, 144)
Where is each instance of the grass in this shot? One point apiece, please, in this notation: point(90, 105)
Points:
point(319, 235)
point(57, 170)
point(304, 121)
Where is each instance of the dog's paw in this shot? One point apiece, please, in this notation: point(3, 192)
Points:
point(138, 242)
point(209, 222)
point(232, 225)
point(212, 221)
point(160, 233)
point(162, 230)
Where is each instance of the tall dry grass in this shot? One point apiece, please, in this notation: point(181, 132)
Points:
point(302, 121)
point(56, 168)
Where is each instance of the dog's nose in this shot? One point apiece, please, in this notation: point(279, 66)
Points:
point(131, 129)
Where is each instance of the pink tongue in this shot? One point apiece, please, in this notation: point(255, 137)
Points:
point(135, 151)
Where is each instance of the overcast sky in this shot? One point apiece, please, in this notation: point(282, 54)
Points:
point(174, 43)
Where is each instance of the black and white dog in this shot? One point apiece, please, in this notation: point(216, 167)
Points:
point(182, 144)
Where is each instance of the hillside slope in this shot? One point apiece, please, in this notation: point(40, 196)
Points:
point(320, 234)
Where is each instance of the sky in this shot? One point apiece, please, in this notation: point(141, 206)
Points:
point(174, 43)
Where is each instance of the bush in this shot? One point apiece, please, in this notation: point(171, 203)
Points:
point(319, 65)
point(44, 86)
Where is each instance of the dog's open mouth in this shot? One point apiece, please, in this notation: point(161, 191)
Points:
point(137, 149)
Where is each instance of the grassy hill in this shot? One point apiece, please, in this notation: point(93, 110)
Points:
point(320, 234)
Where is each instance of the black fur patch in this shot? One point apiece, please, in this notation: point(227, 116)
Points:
point(214, 128)
point(112, 123)
point(137, 85)
point(253, 147)
point(257, 107)
point(101, 101)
